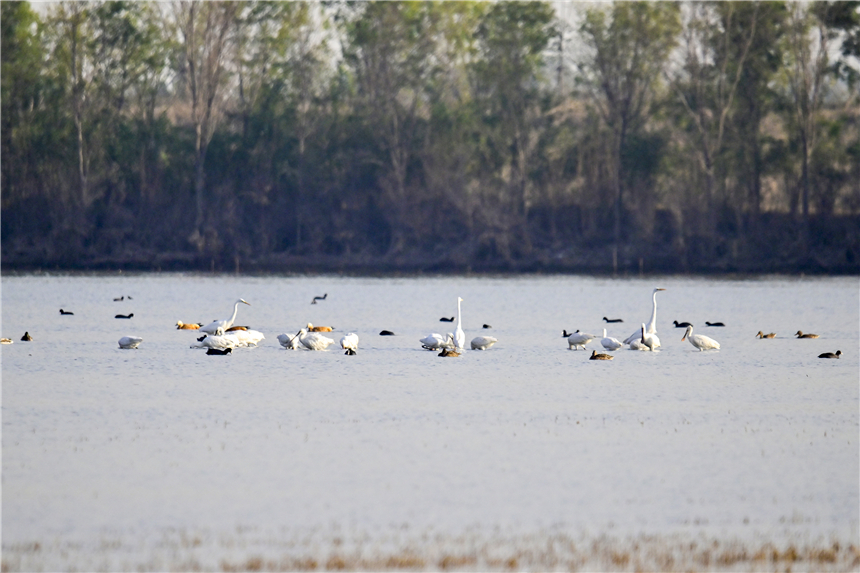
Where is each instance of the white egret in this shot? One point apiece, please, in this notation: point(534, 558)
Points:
point(609, 343)
point(128, 342)
point(652, 324)
point(700, 341)
point(220, 326)
point(483, 342)
point(579, 339)
point(647, 340)
point(349, 343)
point(831, 355)
point(596, 356)
point(459, 335)
point(436, 341)
point(314, 340)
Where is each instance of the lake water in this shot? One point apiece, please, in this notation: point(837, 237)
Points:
point(524, 456)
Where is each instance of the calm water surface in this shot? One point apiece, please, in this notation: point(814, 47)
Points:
point(758, 440)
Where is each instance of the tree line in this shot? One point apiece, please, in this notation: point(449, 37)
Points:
point(671, 136)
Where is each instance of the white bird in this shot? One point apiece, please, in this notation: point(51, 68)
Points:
point(647, 341)
point(610, 343)
point(314, 340)
point(220, 326)
point(459, 335)
point(215, 341)
point(579, 339)
point(127, 342)
point(246, 337)
point(436, 341)
point(483, 342)
point(652, 324)
point(349, 343)
point(289, 342)
point(700, 341)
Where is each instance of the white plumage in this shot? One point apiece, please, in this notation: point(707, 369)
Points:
point(579, 339)
point(220, 326)
point(349, 342)
point(215, 341)
point(436, 341)
point(700, 341)
point(129, 342)
point(610, 343)
point(647, 340)
point(246, 337)
point(652, 324)
point(483, 342)
point(459, 335)
point(289, 342)
point(314, 340)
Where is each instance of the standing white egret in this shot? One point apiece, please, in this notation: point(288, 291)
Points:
point(700, 341)
point(579, 339)
point(610, 343)
point(220, 326)
point(128, 342)
point(647, 339)
point(349, 343)
point(314, 340)
point(483, 342)
point(459, 335)
point(652, 324)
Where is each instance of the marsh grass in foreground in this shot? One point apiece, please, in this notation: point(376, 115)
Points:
point(429, 552)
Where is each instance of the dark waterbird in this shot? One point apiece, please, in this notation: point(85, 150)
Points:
point(681, 324)
point(831, 355)
point(124, 315)
point(443, 319)
point(26, 337)
point(66, 312)
point(316, 298)
point(612, 319)
point(714, 323)
point(386, 333)
point(219, 351)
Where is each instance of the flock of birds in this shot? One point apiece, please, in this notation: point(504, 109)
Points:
point(220, 337)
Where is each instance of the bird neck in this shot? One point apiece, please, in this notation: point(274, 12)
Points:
point(652, 324)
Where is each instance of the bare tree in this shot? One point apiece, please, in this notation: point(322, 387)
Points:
point(204, 29)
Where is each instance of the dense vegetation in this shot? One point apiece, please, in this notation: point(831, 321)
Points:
point(700, 136)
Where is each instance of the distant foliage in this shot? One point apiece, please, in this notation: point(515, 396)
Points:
point(669, 136)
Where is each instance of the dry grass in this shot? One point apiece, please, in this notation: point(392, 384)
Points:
point(473, 551)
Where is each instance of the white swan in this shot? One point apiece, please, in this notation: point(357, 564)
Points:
point(246, 337)
point(459, 335)
point(128, 342)
point(436, 341)
point(610, 343)
point(700, 341)
point(215, 341)
point(349, 343)
point(220, 326)
point(652, 324)
point(314, 340)
point(483, 342)
point(647, 341)
point(579, 339)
